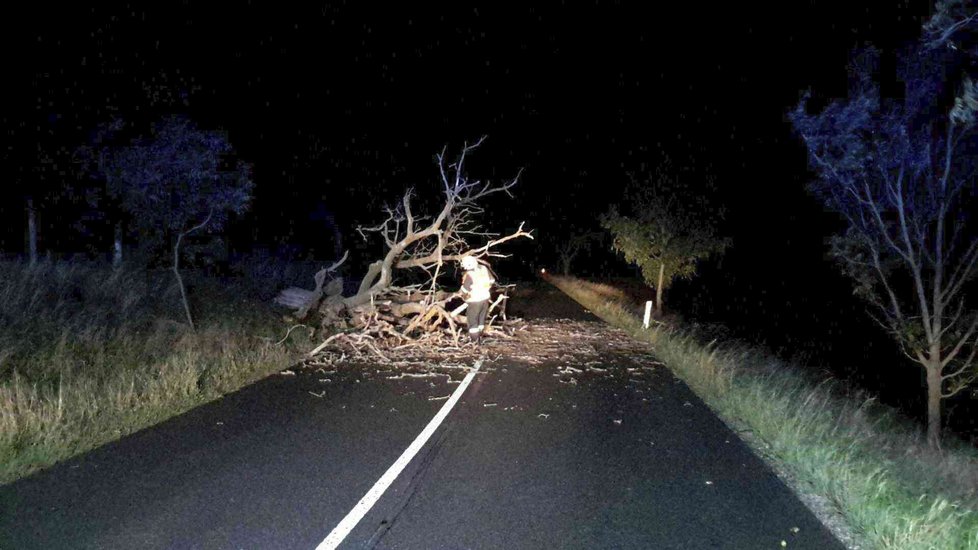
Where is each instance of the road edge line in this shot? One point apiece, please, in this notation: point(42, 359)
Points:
point(339, 533)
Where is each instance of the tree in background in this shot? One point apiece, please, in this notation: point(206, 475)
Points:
point(901, 173)
point(178, 181)
point(105, 139)
point(40, 170)
point(110, 128)
point(569, 247)
point(665, 227)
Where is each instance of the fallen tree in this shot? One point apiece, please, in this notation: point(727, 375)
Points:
point(400, 301)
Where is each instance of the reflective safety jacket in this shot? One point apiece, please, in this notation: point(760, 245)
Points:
point(476, 284)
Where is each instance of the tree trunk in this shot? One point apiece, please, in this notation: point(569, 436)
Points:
point(183, 291)
point(117, 246)
point(933, 403)
point(176, 267)
point(658, 290)
point(565, 262)
point(31, 231)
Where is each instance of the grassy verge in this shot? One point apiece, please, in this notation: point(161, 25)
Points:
point(869, 462)
point(88, 354)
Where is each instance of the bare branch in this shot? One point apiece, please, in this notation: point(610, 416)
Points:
point(964, 365)
point(339, 262)
point(963, 271)
point(960, 344)
point(945, 34)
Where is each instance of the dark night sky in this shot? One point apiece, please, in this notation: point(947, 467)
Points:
point(330, 100)
point(337, 105)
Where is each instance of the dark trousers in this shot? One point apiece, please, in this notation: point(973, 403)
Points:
point(476, 315)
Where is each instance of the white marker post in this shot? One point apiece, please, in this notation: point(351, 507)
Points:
point(648, 314)
point(373, 495)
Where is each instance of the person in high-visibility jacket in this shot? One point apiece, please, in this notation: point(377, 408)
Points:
point(476, 284)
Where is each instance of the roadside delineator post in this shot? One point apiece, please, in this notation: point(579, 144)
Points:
point(648, 314)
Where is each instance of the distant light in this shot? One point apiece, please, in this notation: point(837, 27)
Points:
point(542, 270)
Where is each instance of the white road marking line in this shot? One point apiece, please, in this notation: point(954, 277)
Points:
point(340, 532)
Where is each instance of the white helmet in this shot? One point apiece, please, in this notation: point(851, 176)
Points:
point(469, 263)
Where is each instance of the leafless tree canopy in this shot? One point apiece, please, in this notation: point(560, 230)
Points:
point(391, 306)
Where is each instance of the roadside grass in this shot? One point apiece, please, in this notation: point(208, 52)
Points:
point(89, 354)
point(869, 462)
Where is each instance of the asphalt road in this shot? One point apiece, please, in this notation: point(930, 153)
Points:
point(619, 455)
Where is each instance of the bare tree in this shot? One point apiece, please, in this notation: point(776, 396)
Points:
point(901, 173)
point(568, 249)
point(400, 294)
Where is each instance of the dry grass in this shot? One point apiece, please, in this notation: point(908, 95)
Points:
point(88, 354)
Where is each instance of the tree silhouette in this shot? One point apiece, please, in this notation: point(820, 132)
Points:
point(178, 181)
point(665, 228)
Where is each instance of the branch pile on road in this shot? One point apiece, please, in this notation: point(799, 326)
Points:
point(576, 344)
